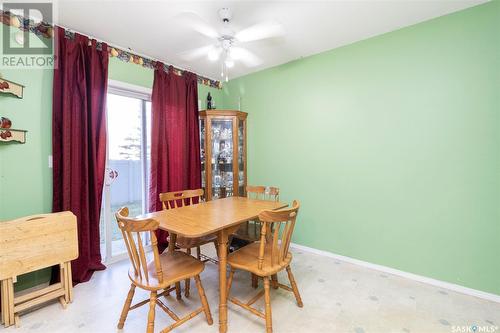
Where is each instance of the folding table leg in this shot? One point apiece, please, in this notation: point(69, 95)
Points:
point(64, 281)
point(4, 295)
point(7, 287)
point(69, 280)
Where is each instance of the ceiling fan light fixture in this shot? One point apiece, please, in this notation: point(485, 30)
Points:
point(236, 53)
point(226, 44)
point(225, 14)
point(225, 49)
point(229, 62)
point(213, 54)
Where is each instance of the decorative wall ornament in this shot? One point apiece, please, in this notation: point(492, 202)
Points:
point(10, 134)
point(9, 87)
point(7, 133)
point(209, 102)
point(5, 122)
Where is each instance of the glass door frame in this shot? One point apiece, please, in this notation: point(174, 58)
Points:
point(207, 116)
point(208, 152)
point(144, 94)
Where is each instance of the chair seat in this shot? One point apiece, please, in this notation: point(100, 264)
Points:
point(175, 267)
point(248, 232)
point(247, 259)
point(187, 243)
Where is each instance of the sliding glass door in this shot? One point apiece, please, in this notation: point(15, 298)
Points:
point(127, 169)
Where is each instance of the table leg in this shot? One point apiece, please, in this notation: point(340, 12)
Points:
point(223, 242)
point(171, 249)
point(171, 244)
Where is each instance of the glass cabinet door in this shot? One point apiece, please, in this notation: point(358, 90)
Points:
point(223, 153)
point(241, 158)
point(222, 158)
point(202, 154)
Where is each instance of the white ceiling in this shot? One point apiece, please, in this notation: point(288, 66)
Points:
point(153, 28)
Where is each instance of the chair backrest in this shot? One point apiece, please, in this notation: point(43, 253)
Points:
point(281, 224)
point(131, 230)
point(263, 193)
point(177, 199)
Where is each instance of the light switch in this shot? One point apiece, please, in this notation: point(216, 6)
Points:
point(50, 161)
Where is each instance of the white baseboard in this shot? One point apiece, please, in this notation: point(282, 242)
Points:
point(411, 276)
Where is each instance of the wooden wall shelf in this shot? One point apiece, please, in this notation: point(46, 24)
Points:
point(11, 134)
point(9, 87)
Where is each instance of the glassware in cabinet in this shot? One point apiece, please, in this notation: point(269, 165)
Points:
point(222, 158)
point(223, 136)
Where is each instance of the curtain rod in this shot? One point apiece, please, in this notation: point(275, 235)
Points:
point(122, 53)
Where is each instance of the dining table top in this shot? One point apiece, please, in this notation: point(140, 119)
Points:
point(208, 217)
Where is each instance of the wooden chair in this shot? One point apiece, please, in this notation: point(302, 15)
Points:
point(156, 275)
point(266, 258)
point(172, 200)
point(249, 232)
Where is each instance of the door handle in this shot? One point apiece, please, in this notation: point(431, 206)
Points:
point(111, 176)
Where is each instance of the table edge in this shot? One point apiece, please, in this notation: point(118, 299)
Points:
point(282, 205)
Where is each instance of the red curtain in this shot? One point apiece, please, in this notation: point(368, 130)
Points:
point(79, 141)
point(175, 137)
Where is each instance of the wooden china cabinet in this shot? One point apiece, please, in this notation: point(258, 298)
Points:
point(223, 153)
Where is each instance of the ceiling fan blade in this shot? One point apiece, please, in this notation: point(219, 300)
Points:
point(195, 22)
point(245, 56)
point(197, 52)
point(260, 31)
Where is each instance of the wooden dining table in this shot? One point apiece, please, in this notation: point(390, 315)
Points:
point(221, 217)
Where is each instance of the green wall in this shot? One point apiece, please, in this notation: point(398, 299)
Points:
point(392, 146)
point(130, 73)
point(25, 178)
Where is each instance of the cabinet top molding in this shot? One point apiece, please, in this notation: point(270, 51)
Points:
point(220, 112)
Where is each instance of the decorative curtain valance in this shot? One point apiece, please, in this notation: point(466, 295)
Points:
point(46, 30)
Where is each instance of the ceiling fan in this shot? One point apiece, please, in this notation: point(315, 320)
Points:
point(226, 41)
